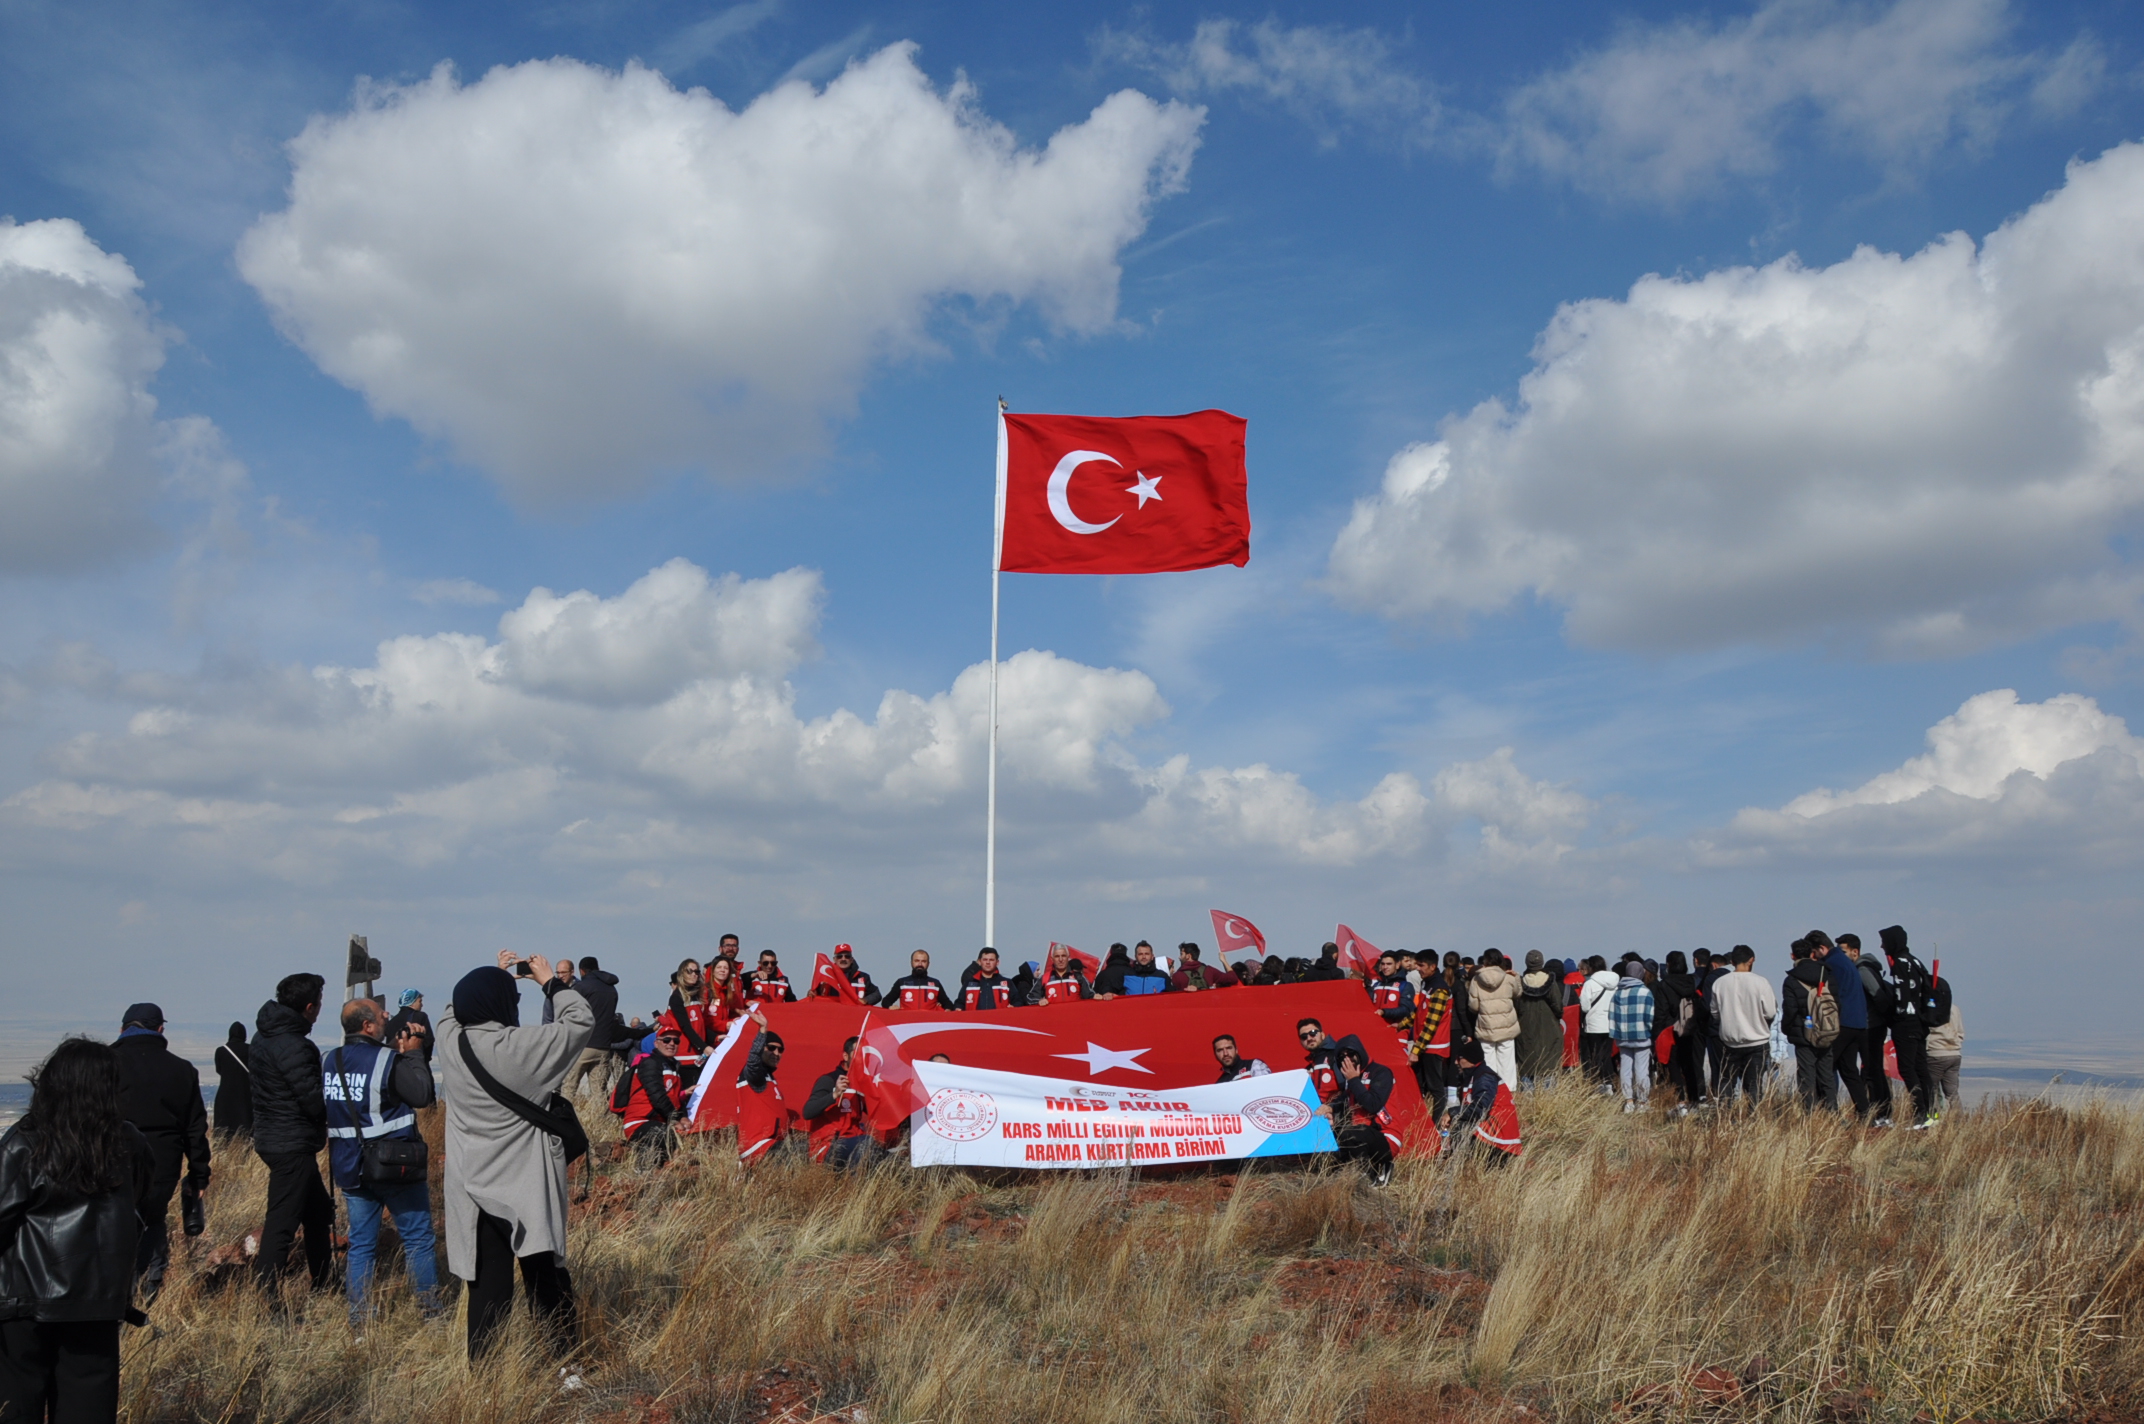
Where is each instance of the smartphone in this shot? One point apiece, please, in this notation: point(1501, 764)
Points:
point(522, 970)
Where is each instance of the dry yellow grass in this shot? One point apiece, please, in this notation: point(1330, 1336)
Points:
point(1778, 1267)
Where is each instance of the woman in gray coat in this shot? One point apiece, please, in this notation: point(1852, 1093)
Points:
point(506, 1178)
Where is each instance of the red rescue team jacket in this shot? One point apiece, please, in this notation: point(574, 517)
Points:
point(640, 1108)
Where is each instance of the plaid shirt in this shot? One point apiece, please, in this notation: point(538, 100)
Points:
point(1631, 1017)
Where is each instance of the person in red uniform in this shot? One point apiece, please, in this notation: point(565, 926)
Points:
point(1487, 1110)
point(1064, 980)
point(1361, 1110)
point(1318, 1054)
point(835, 1116)
point(984, 987)
point(1392, 995)
point(725, 997)
point(654, 1100)
point(763, 1118)
point(689, 1014)
point(917, 989)
point(768, 984)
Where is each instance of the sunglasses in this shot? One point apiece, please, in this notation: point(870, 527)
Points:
point(1306, 1034)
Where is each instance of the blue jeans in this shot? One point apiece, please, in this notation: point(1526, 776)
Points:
point(411, 1208)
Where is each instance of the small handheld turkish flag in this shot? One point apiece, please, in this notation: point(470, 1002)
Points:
point(1237, 937)
point(828, 982)
point(1142, 494)
point(1355, 951)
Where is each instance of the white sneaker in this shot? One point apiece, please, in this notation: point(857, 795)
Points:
point(1629, 1106)
point(569, 1381)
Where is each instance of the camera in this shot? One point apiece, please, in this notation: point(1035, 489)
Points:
point(522, 970)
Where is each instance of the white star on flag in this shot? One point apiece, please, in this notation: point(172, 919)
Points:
point(1100, 1060)
point(1149, 487)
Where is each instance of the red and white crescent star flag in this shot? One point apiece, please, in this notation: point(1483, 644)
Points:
point(1237, 936)
point(1151, 1042)
point(1356, 952)
point(1142, 494)
point(827, 974)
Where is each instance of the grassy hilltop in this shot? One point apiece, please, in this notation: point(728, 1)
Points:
point(1780, 1268)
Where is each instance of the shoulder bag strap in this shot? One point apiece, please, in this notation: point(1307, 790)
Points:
point(504, 1096)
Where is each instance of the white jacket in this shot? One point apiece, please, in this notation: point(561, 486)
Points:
point(1596, 1001)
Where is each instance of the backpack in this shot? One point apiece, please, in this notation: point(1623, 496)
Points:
point(621, 1093)
point(1823, 1018)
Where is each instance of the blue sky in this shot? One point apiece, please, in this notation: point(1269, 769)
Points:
point(1698, 635)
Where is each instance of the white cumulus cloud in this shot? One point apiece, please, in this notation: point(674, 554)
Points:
point(78, 434)
point(582, 278)
point(2027, 784)
point(1664, 112)
point(1928, 453)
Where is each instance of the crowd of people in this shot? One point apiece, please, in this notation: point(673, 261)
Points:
point(115, 1131)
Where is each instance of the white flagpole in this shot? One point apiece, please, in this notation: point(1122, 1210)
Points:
point(990, 819)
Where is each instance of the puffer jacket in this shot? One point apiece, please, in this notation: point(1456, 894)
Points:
point(1596, 1001)
point(1493, 994)
point(290, 1113)
point(65, 1257)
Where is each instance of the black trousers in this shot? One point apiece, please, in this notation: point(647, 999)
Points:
point(1363, 1142)
point(59, 1374)
point(1872, 1073)
point(153, 1253)
point(1846, 1053)
point(1596, 1054)
point(1686, 1066)
point(1745, 1070)
point(652, 1145)
point(297, 1201)
point(546, 1283)
point(1817, 1079)
point(1913, 1067)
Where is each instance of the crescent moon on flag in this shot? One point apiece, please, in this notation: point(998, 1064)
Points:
point(1061, 479)
point(1236, 931)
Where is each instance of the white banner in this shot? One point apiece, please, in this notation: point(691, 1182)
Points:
point(975, 1117)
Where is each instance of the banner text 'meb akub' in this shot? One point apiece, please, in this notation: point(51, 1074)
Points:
point(980, 1117)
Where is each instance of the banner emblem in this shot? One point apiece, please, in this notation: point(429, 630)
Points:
point(1278, 1115)
point(962, 1114)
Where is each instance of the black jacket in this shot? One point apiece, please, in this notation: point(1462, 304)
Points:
point(403, 1019)
point(65, 1257)
point(1109, 979)
point(822, 1093)
point(290, 1114)
point(1877, 994)
point(1801, 982)
point(600, 988)
point(1368, 1093)
point(162, 1096)
point(234, 1088)
point(862, 980)
point(1669, 991)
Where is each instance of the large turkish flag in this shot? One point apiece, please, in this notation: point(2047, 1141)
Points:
point(1142, 494)
point(1157, 1041)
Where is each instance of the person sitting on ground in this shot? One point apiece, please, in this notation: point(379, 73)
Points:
point(1540, 1005)
point(1065, 981)
point(1233, 1064)
point(76, 1181)
point(373, 1092)
point(654, 1100)
point(290, 1126)
point(917, 989)
point(763, 1118)
point(1745, 1008)
point(984, 988)
point(845, 961)
point(506, 1187)
point(1360, 1112)
point(767, 983)
point(1486, 1113)
point(233, 1110)
point(834, 1115)
point(161, 1095)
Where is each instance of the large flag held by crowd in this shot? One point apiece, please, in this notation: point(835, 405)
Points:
point(1124, 1052)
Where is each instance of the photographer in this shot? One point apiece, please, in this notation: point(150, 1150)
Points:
point(373, 1093)
point(506, 1177)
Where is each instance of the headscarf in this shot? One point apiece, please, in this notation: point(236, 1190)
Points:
point(410, 997)
point(238, 1036)
point(485, 996)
